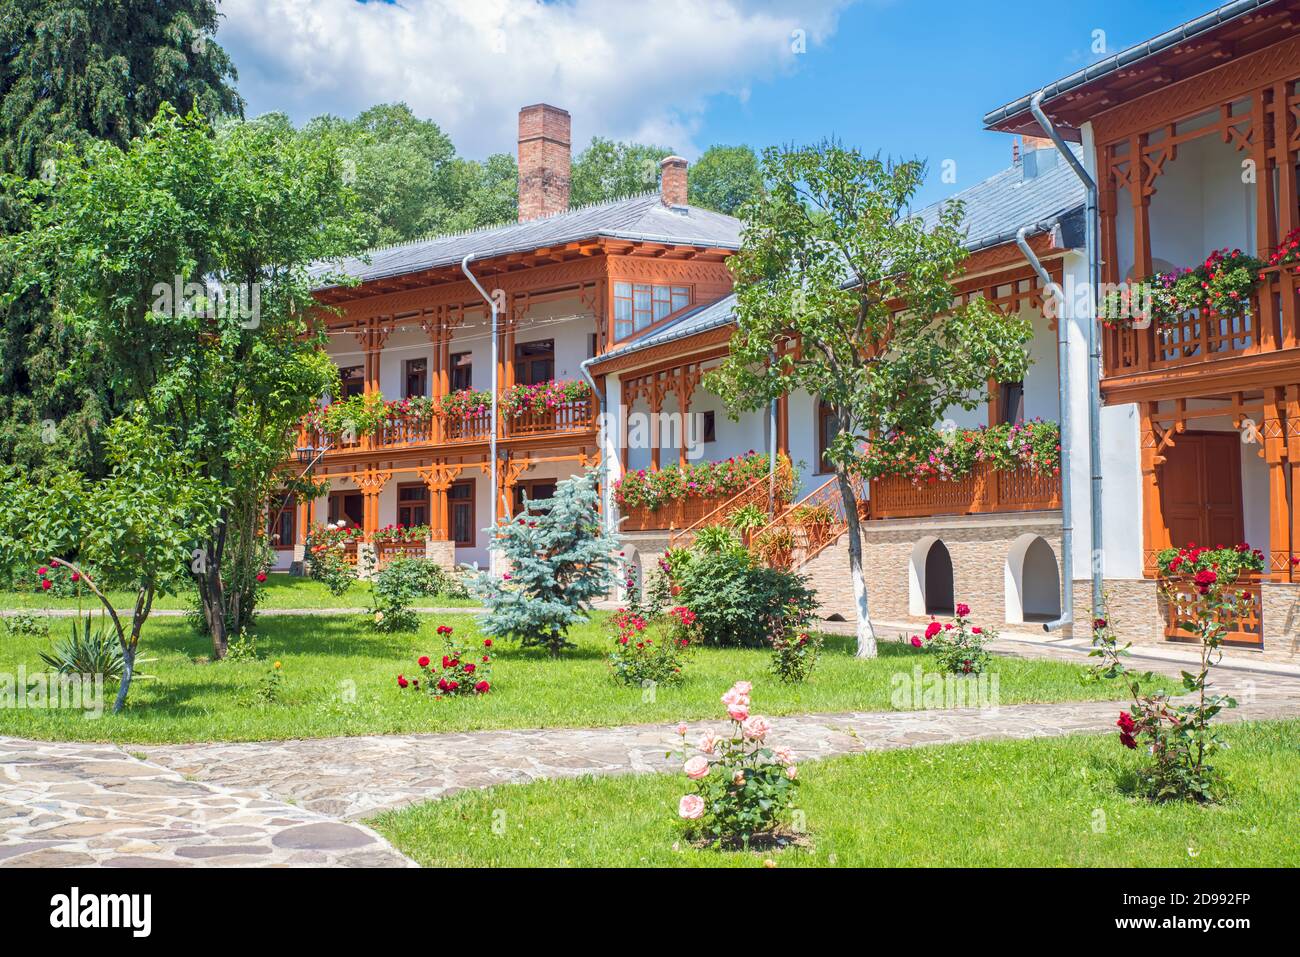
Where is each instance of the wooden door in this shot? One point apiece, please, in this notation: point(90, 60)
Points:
point(1200, 489)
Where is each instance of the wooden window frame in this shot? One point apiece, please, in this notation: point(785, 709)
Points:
point(709, 427)
point(824, 412)
point(275, 517)
point(425, 502)
point(522, 363)
point(358, 379)
point(406, 377)
point(633, 285)
point(472, 501)
point(454, 368)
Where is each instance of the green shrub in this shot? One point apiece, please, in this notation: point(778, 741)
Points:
point(736, 600)
point(87, 651)
point(27, 624)
point(424, 578)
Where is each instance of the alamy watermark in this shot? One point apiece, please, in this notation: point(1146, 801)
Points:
point(51, 691)
point(242, 301)
point(921, 690)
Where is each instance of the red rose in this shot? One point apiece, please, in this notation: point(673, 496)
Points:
point(1098, 623)
point(932, 629)
point(424, 661)
point(46, 583)
point(976, 630)
point(916, 642)
point(1204, 579)
point(963, 610)
point(1127, 740)
point(42, 571)
point(482, 687)
point(401, 682)
point(261, 577)
point(469, 668)
point(1126, 722)
point(487, 642)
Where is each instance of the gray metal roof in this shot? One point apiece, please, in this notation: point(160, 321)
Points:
point(1125, 58)
point(638, 218)
point(994, 212)
point(996, 208)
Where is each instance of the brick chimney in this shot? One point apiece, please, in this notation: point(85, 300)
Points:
point(672, 181)
point(543, 161)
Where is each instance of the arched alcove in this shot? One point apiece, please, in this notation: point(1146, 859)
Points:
point(931, 578)
point(1033, 581)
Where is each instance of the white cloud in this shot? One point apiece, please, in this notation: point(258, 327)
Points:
point(633, 69)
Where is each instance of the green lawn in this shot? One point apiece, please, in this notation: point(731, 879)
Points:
point(1043, 803)
point(328, 658)
point(281, 591)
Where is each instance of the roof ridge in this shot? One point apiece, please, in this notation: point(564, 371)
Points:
point(504, 224)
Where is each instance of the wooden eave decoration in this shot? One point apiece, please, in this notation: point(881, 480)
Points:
point(1231, 41)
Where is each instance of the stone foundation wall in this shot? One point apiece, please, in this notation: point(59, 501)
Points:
point(977, 544)
point(441, 551)
point(1133, 609)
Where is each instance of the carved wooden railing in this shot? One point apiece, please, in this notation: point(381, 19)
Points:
point(577, 416)
point(673, 516)
point(983, 489)
point(1180, 601)
point(757, 492)
point(388, 550)
point(405, 431)
point(803, 531)
point(1270, 322)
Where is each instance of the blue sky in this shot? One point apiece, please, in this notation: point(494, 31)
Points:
point(904, 77)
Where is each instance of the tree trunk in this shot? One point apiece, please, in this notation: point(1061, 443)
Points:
point(128, 669)
point(866, 634)
point(213, 598)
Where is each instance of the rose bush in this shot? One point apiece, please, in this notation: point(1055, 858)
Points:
point(742, 788)
point(654, 651)
point(325, 555)
point(463, 670)
point(958, 646)
point(1180, 738)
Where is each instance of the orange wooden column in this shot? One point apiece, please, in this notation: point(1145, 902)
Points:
point(1292, 425)
point(438, 479)
point(371, 482)
point(1279, 509)
point(1155, 534)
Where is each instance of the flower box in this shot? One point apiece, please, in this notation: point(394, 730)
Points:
point(1180, 601)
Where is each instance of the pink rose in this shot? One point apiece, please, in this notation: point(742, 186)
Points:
point(783, 756)
point(755, 728)
point(792, 772)
point(708, 742)
point(696, 767)
point(690, 807)
point(738, 712)
point(681, 729)
point(735, 697)
point(744, 687)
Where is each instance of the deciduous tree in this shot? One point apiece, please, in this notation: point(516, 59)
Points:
point(856, 296)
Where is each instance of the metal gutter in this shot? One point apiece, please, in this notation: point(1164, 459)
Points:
point(1126, 58)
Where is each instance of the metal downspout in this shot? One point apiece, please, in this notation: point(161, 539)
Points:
point(492, 441)
point(1063, 402)
point(1094, 347)
point(602, 440)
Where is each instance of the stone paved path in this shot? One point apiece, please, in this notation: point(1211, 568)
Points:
point(97, 804)
point(73, 805)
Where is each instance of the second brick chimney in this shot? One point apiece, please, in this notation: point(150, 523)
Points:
point(672, 181)
point(543, 161)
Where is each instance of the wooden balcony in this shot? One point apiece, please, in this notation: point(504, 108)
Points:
point(1268, 325)
point(985, 489)
point(401, 432)
point(670, 516)
point(1180, 602)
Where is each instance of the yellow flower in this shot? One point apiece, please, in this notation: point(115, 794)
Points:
point(276, 666)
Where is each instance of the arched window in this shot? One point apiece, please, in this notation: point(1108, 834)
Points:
point(931, 579)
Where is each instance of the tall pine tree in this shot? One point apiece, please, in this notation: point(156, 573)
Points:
point(72, 71)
